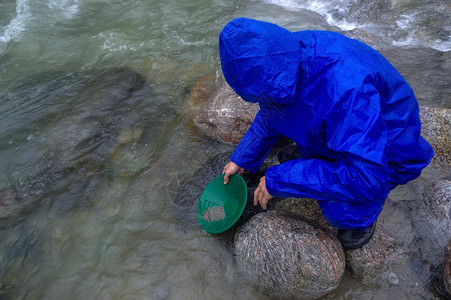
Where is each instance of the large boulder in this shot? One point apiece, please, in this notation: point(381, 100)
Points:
point(371, 263)
point(431, 219)
point(226, 116)
point(290, 256)
point(307, 208)
point(436, 129)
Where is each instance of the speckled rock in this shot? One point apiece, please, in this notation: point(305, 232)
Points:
point(431, 219)
point(367, 264)
point(367, 12)
point(307, 208)
point(226, 116)
point(370, 263)
point(436, 129)
point(290, 256)
point(375, 41)
point(447, 271)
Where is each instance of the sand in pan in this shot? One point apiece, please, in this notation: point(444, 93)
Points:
point(214, 213)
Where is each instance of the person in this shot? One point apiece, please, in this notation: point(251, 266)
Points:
point(353, 117)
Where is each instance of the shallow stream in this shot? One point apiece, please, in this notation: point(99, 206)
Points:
point(94, 135)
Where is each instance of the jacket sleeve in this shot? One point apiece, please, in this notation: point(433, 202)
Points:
point(255, 144)
point(357, 134)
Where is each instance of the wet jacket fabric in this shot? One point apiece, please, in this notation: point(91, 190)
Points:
point(353, 116)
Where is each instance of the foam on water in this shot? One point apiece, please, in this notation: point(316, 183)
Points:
point(114, 42)
point(68, 8)
point(336, 13)
point(18, 24)
point(184, 42)
point(326, 9)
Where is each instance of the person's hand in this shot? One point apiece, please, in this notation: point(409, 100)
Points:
point(261, 194)
point(231, 169)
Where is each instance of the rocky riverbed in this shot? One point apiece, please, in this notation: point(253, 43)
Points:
point(412, 231)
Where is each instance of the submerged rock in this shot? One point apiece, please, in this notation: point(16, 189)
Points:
point(130, 135)
point(8, 292)
point(66, 147)
point(13, 201)
point(226, 116)
point(200, 92)
point(188, 195)
point(290, 256)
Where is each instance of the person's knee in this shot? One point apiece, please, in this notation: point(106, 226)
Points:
point(351, 215)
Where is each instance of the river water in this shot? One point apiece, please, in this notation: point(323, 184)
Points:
point(94, 137)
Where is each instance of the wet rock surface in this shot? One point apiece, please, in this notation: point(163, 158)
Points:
point(369, 264)
point(224, 110)
point(307, 208)
point(225, 116)
point(400, 245)
point(431, 85)
point(432, 219)
point(289, 256)
point(372, 262)
point(436, 129)
point(368, 11)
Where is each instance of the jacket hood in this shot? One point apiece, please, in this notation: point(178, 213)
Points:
point(260, 60)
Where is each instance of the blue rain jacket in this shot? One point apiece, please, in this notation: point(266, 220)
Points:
point(353, 116)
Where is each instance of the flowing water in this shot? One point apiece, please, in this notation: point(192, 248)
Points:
point(95, 141)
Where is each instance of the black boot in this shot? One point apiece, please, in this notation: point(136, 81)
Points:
point(288, 153)
point(355, 238)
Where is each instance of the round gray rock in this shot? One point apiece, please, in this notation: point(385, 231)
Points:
point(431, 219)
point(288, 255)
point(226, 116)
